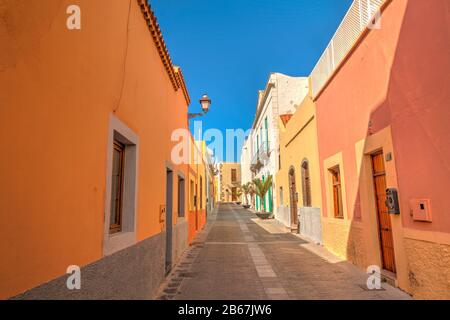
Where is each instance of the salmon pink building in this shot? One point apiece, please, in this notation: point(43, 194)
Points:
point(88, 181)
point(383, 115)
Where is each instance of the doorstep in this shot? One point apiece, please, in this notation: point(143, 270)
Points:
point(389, 277)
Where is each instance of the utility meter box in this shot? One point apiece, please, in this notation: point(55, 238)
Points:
point(392, 201)
point(420, 210)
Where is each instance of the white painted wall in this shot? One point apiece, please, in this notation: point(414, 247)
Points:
point(246, 158)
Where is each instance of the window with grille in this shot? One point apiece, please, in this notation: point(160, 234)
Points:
point(233, 175)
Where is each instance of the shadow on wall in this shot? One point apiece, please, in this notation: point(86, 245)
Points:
point(410, 127)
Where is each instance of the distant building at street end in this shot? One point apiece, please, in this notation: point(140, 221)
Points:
point(230, 181)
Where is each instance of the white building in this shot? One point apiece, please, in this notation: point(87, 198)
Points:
point(246, 158)
point(281, 96)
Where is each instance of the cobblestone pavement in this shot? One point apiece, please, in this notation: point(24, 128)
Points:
point(238, 257)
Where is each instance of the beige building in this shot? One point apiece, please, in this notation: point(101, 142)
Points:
point(230, 181)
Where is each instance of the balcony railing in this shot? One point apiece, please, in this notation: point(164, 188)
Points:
point(357, 19)
point(260, 157)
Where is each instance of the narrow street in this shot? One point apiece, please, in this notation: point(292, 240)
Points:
point(238, 257)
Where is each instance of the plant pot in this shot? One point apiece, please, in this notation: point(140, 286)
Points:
point(264, 215)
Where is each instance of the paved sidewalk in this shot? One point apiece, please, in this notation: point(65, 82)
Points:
point(239, 257)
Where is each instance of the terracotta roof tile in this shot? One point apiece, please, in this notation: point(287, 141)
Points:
point(285, 118)
point(174, 73)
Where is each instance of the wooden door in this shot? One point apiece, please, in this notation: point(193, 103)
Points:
point(384, 220)
point(234, 194)
point(293, 199)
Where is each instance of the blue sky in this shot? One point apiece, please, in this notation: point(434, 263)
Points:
point(227, 48)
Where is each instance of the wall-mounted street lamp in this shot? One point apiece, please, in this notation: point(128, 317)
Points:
point(205, 103)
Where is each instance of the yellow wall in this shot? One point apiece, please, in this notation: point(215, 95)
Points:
point(298, 141)
point(197, 187)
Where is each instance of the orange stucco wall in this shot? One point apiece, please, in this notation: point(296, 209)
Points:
point(196, 226)
point(395, 83)
point(59, 88)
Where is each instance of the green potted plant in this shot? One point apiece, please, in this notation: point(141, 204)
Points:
point(238, 195)
point(247, 189)
point(261, 189)
point(252, 194)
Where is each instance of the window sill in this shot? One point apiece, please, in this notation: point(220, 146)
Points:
point(118, 241)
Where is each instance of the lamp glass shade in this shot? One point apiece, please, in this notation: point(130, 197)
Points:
point(205, 102)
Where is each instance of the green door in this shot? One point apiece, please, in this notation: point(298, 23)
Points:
point(265, 197)
point(270, 200)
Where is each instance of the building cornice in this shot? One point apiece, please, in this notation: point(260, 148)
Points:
point(181, 83)
point(260, 105)
point(174, 73)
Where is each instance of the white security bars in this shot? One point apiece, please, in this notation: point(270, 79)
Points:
point(360, 16)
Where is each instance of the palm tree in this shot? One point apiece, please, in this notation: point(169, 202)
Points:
point(251, 191)
point(246, 190)
point(262, 187)
point(239, 193)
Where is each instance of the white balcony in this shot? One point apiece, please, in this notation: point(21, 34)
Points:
point(260, 157)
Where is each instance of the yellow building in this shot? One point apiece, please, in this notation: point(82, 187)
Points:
point(230, 181)
point(298, 177)
point(216, 188)
point(200, 186)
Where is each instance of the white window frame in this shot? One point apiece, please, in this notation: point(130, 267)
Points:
point(127, 237)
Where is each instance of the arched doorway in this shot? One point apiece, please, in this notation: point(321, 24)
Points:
point(293, 199)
